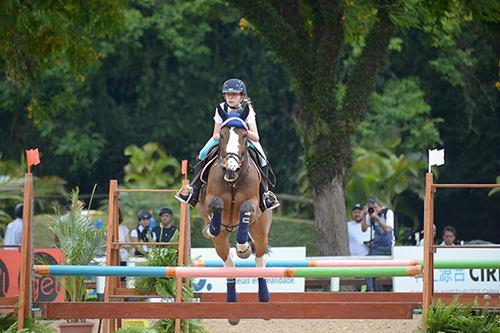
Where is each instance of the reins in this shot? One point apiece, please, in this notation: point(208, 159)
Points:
point(234, 184)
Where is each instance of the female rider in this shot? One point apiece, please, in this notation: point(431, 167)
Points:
point(235, 96)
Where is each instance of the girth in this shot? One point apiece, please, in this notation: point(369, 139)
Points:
point(234, 188)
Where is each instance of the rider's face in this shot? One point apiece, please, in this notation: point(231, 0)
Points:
point(145, 221)
point(233, 99)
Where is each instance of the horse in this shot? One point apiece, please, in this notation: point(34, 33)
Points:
point(229, 202)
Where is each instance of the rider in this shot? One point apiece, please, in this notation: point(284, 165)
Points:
point(235, 96)
point(142, 233)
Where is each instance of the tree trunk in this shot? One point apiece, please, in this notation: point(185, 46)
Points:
point(330, 218)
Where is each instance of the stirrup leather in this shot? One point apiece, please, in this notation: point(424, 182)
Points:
point(270, 200)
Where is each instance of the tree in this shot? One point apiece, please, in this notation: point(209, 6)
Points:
point(38, 34)
point(143, 91)
point(333, 52)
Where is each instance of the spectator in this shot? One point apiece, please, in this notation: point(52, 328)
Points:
point(141, 234)
point(381, 221)
point(433, 237)
point(14, 233)
point(164, 231)
point(449, 235)
point(123, 236)
point(359, 240)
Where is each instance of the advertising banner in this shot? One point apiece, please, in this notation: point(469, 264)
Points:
point(46, 288)
point(451, 280)
point(250, 285)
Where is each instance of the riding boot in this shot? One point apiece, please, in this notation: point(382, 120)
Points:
point(191, 198)
point(268, 198)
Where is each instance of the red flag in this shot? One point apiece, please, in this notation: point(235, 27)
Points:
point(33, 158)
point(184, 167)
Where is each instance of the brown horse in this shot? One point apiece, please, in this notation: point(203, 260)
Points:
point(230, 202)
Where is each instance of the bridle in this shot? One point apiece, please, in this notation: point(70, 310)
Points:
point(234, 184)
point(238, 159)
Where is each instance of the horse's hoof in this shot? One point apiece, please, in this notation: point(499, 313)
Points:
point(244, 254)
point(234, 322)
point(206, 233)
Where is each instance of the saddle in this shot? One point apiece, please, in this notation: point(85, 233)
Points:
point(204, 166)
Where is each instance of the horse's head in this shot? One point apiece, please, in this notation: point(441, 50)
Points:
point(233, 142)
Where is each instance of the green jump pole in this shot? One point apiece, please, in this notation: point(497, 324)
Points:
point(226, 272)
point(465, 264)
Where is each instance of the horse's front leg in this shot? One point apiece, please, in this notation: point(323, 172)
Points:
point(243, 249)
point(221, 244)
point(213, 229)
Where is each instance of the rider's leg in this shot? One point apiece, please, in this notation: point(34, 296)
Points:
point(191, 197)
point(268, 198)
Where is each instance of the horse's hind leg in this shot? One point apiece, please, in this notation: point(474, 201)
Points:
point(243, 249)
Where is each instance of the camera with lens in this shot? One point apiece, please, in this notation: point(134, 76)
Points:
point(371, 209)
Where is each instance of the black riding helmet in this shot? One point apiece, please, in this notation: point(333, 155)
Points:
point(144, 214)
point(234, 86)
point(165, 210)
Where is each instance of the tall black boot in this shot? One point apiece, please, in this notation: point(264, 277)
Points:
point(191, 197)
point(268, 198)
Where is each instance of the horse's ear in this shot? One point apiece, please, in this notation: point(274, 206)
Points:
point(222, 113)
point(245, 112)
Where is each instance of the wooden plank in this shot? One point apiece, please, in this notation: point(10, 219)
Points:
point(25, 276)
point(219, 310)
point(8, 301)
point(322, 296)
point(318, 297)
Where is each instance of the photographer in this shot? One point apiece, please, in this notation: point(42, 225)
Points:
point(381, 221)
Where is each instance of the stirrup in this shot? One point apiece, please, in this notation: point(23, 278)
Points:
point(270, 200)
point(185, 198)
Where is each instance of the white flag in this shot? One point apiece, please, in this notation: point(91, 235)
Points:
point(436, 157)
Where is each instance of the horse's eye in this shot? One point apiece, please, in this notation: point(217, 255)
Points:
point(221, 136)
point(245, 136)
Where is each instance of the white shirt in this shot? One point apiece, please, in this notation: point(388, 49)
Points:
point(134, 234)
point(250, 119)
point(14, 234)
point(122, 232)
point(356, 239)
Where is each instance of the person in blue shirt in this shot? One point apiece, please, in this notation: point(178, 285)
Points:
point(381, 221)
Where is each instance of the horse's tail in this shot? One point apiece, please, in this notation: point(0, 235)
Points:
point(252, 245)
